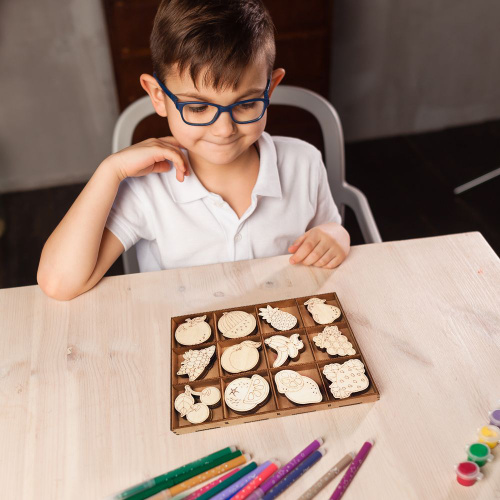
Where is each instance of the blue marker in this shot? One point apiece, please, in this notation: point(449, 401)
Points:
point(290, 478)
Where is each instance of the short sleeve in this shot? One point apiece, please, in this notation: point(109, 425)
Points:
point(326, 209)
point(127, 219)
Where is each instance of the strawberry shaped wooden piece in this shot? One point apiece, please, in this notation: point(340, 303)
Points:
point(278, 319)
point(322, 313)
point(346, 378)
point(193, 331)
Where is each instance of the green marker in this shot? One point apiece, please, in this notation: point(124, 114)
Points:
point(178, 475)
point(153, 490)
point(228, 482)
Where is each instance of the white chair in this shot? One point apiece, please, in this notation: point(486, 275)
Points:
point(343, 193)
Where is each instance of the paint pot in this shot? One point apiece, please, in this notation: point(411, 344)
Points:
point(495, 417)
point(479, 453)
point(468, 473)
point(489, 434)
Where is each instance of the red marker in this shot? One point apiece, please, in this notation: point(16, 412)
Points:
point(255, 483)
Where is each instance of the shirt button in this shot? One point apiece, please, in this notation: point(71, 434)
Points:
point(237, 237)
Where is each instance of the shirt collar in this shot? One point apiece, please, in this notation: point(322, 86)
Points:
point(268, 181)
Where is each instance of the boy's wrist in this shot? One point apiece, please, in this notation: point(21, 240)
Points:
point(109, 166)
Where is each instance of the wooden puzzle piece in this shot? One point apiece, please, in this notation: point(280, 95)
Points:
point(278, 319)
point(241, 357)
point(334, 342)
point(346, 378)
point(236, 324)
point(298, 388)
point(245, 394)
point(193, 331)
point(322, 313)
point(285, 347)
point(195, 362)
point(196, 413)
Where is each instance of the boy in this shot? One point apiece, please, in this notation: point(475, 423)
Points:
point(235, 193)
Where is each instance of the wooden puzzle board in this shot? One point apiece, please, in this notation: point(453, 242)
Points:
point(310, 363)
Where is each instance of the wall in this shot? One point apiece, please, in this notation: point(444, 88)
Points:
point(57, 98)
point(410, 66)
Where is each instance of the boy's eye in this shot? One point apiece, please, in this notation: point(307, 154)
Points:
point(248, 105)
point(197, 109)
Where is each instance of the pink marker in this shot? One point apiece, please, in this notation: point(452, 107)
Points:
point(255, 483)
point(351, 471)
point(209, 486)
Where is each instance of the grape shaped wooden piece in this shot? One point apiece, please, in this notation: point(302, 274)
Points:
point(298, 388)
point(195, 362)
point(285, 347)
point(334, 342)
point(193, 331)
point(236, 324)
point(346, 378)
point(322, 313)
point(278, 319)
point(196, 413)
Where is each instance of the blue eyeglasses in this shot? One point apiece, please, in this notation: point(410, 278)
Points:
point(200, 114)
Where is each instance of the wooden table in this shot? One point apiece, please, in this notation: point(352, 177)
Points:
point(84, 385)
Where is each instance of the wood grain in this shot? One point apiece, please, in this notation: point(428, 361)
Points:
point(84, 385)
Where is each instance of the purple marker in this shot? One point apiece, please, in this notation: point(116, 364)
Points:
point(241, 483)
point(286, 469)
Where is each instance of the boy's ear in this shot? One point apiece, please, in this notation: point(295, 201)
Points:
point(150, 85)
point(276, 77)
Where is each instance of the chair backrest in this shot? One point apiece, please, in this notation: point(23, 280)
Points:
point(321, 109)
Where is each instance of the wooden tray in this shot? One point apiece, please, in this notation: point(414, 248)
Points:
point(309, 363)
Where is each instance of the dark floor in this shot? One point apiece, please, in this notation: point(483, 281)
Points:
point(408, 181)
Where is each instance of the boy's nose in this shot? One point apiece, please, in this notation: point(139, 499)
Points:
point(224, 126)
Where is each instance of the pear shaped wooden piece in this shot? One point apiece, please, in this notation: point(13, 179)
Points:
point(322, 313)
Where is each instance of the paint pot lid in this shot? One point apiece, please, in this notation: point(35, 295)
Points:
point(468, 471)
point(479, 451)
point(489, 433)
point(495, 417)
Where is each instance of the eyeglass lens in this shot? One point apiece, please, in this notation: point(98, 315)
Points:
point(204, 113)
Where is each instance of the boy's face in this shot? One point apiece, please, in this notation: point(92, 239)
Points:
point(223, 141)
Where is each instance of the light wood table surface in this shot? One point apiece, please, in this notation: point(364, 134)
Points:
point(84, 385)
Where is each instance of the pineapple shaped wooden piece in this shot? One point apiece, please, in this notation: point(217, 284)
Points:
point(278, 319)
point(236, 324)
point(195, 362)
point(322, 313)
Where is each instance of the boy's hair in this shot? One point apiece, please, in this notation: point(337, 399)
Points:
point(220, 36)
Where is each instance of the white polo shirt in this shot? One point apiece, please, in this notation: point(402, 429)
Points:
point(178, 224)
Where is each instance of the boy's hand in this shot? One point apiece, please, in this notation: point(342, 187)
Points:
point(149, 156)
point(317, 248)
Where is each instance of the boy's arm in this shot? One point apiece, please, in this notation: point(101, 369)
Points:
point(80, 250)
